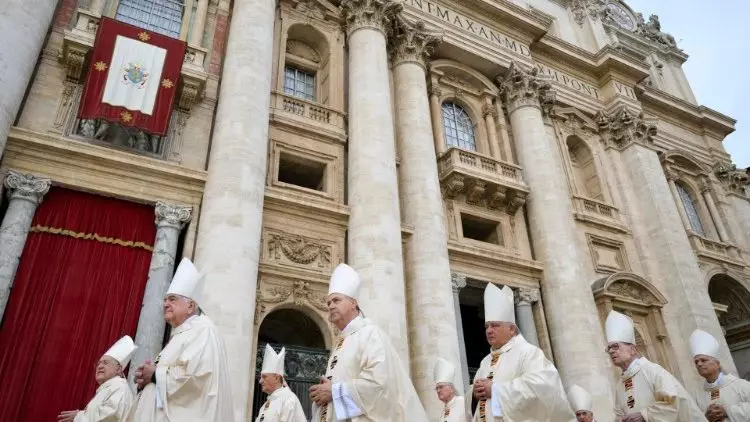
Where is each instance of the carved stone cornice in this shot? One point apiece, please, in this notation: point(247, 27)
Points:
point(458, 282)
point(522, 87)
point(732, 179)
point(581, 8)
point(526, 296)
point(172, 215)
point(624, 127)
point(410, 42)
point(26, 186)
point(374, 14)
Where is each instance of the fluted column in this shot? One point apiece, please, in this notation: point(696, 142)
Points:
point(715, 216)
point(458, 282)
point(525, 297)
point(437, 120)
point(23, 28)
point(566, 286)
point(25, 192)
point(671, 176)
point(432, 330)
point(199, 24)
point(374, 222)
point(170, 219)
point(490, 113)
point(228, 243)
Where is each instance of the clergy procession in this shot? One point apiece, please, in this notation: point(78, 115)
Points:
point(366, 381)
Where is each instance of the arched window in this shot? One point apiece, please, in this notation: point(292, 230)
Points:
point(161, 16)
point(458, 127)
point(690, 209)
point(584, 169)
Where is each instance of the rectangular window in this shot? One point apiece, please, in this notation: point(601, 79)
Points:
point(481, 229)
point(161, 16)
point(299, 83)
point(302, 172)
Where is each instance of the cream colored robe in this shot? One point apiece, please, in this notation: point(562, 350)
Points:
point(527, 386)
point(281, 406)
point(192, 379)
point(734, 395)
point(110, 404)
point(456, 409)
point(659, 396)
point(373, 375)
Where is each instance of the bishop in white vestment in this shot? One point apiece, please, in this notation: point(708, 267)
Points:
point(189, 381)
point(645, 390)
point(282, 405)
point(365, 380)
point(515, 382)
point(581, 403)
point(454, 409)
point(724, 397)
point(113, 397)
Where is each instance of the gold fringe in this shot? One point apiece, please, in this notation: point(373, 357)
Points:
point(91, 236)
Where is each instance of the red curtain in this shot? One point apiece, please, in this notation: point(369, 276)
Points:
point(72, 298)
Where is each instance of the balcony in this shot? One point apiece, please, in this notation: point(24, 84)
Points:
point(483, 180)
point(713, 250)
point(307, 115)
point(597, 213)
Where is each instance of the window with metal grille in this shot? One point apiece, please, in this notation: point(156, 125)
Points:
point(299, 83)
point(160, 16)
point(691, 210)
point(458, 127)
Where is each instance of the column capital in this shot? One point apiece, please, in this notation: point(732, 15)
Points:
point(458, 281)
point(527, 295)
point(625, 127)
point(704, 183)
point(488, 109)
point(522, 87)
point(26, 186)
point(435, 90)
point(671, 174)
point(374, 14)
point(411, 42)
point(172, 215)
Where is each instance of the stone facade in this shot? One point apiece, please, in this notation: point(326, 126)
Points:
point(554, 146)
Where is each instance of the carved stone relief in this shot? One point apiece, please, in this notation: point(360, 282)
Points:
point(285, 247)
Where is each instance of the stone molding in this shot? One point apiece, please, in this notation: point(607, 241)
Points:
point(458, 282)
point(26, 186)
point(410, 42)
point(732, 179)
point(526, 296)
point(624, 127)
point(172, 215)
point(523, 87)
point(373, 14)
point(298, 293)
point(299, 250)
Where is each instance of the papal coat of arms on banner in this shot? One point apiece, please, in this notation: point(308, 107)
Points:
point(134, 74)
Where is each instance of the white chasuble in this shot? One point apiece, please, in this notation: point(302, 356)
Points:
point(730, 392)
point(281, 406)
point(454, 411)
point(369, 382)
point(192, 378)
point(525, 386)
point(110, 404)
point(650, 390)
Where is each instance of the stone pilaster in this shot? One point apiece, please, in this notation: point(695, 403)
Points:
point(25, 192)
point(706, 190)
point(170, 219)
point(228, 243)
point(428, 277)
point(525, 297)
point(566, 287)
point(458, 282)
point(374, 246)
point(23, 28)
point(671, 176)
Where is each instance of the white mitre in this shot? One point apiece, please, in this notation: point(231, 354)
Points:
point(443, 372)
point(273, 363)
point(498, 304)
point(579, 399)
point(122, 351)
point(619, 328)
point(702, 343)
point(186, 281)
point(344, 280)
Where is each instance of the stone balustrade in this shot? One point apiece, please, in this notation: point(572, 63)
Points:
point(713, 249)
point(304, 112)
point(597, 212)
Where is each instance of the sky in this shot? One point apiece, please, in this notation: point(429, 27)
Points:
point(716, 36)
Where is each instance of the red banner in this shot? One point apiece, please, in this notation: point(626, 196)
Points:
point(106, 75)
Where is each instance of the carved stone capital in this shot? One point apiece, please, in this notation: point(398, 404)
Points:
point(488, 109)
point(732, 179)
point(172, 215)
point(26, 187)
point(624, 127)
point(410, 42)
point(458, 282)
point(521, 87)
point(514, 201)
point(704, 184)
point(436, 91)
point(191, 88)
point(526, 296)
point(453, 186)
point(374, 14)
point(475, 189)
point(671, 174)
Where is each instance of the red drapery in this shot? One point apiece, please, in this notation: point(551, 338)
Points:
point(72, 298)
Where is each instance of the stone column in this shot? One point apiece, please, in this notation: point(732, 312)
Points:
point(715, 216)
point(459, 282)
point(374, 247)
point(503, 136)
point(25, 192)
point(23, 28)
point(490, 113)
point(437, 120)
point(170, 219)
point(566, 287)
point(199, 24)
point(671, 176)
point(97, 6)
point(524, 298)
point(228, 243)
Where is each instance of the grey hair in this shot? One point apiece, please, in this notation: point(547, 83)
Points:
point(196, 309)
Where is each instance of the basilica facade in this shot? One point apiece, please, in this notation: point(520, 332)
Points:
point(552, 146)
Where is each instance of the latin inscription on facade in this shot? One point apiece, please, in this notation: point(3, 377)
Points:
point(561, 78)
point(625, 90)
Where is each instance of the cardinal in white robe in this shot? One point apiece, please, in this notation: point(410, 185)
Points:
point(113, 397)
point(645, 390)
point(515, 382)
point(582, 403)
point(454, 406)
point(365, 380)
point(189, 380)
point(724, 397)
point(282, 405)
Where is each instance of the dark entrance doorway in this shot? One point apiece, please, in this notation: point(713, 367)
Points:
point(472, 322)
